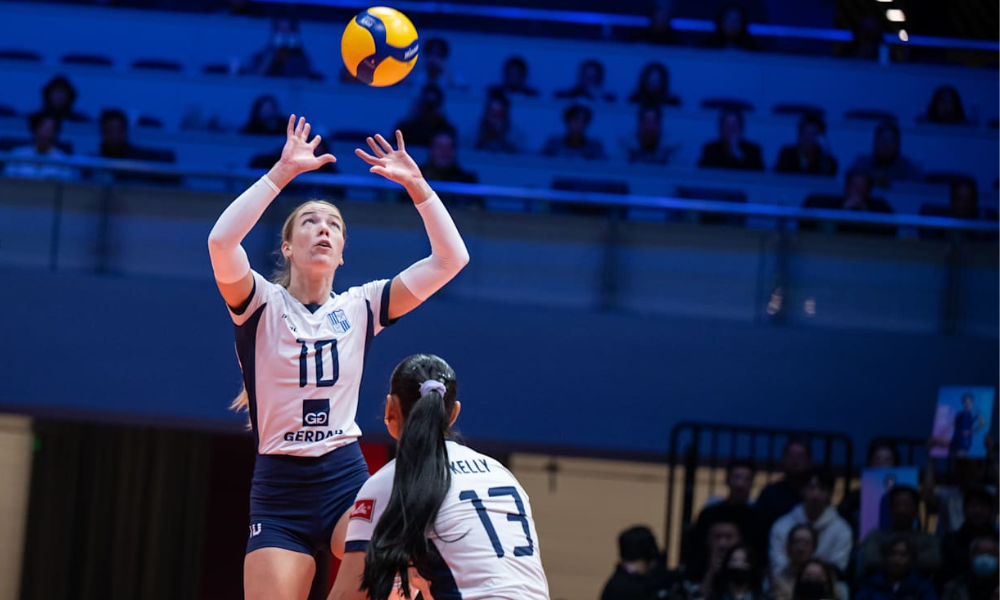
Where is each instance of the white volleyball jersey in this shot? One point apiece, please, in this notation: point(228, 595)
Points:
point(302, 369)
point(484, 531)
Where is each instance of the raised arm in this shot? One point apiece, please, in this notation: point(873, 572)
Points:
point(448, 256)
point(229, 259)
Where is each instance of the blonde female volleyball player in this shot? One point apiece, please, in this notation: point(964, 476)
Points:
point(442, 518)
point(302, 347)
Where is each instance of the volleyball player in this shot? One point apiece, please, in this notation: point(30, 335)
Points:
point(441, 518)
point(301, 348)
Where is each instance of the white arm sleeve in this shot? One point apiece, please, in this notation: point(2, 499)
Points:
point(448, 252)
point(229, 259)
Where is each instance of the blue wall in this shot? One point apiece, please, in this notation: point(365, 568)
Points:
point(162, 350)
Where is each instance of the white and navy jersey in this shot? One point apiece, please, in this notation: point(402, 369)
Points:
point(484, 531)
point(302, 369)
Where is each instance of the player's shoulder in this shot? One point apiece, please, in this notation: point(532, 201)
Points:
point(365, 291)
point(264, 286)
point(379, 484)
point(460, 452)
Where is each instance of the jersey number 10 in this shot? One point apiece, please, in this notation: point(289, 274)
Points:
point(304, 363)
point(484, 517)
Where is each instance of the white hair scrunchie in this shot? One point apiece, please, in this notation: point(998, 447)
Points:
point(432, 385)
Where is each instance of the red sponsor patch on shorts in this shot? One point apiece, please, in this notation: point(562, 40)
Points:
point(363, 509)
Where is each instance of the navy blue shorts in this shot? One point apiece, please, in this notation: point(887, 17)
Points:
point(295, 501)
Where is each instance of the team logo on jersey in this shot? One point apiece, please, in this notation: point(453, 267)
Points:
point(316, 413)
point(363, 509)
point(339, 320)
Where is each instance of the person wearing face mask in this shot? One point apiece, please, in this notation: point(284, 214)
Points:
point(979, 581)
point(740, 577)
point(898, 578)
point(979, 508)
point(816, 581)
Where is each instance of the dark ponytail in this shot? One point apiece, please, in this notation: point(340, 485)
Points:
point(422, 478)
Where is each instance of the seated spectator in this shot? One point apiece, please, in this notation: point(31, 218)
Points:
point(265, 117)
point(735, 508)
point(857, 197)
point(741, 576)
point(947, 501)
point(979, 508)
point(810, 155)
point(442, 165)
point(116, 145)
point(641, 573)
point(649, 146)
point(963, 204)
point(589, 83)
point(426, 117)
point(496, 131)
point(881, 454)
point(433, 68)
point(514, 79)
point(867, 39)
point(978, 581)
point(779, 497)
point(721, 536)
point(731, 29)
point(817, 581)
point(45, 135)
point(964, 199)
point(833, 534)
point(800, 548)
point(660, 29)
point(904, 512)
point(886, 163)
point(945, 107)
point(58, 98)
point(284, 55)
point(897, 579)
point(653, 86)
point(731, 151)
point(575, 143)
point(301, 186)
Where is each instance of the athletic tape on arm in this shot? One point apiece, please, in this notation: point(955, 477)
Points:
point(448, 252)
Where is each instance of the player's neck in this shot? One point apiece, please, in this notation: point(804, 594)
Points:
point(311, 290)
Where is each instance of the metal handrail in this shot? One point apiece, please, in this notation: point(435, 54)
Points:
point(532, 194)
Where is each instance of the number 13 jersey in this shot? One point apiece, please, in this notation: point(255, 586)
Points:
point(484, 532)
point(302, 369)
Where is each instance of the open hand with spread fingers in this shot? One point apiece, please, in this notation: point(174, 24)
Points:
point(395, 165)
point(298, 155)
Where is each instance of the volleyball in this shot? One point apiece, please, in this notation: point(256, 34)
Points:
point(380, 46)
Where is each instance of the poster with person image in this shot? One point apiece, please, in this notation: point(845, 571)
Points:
point(961, 421)
point(875, 487)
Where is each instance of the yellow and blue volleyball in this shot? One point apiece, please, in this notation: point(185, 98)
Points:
point(380, 46)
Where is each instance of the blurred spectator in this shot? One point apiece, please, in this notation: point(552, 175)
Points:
point(979, 580)
point(653, 86)
point(721, 536)
point(45, 135)
point(833, 534)
point(857, 197)
point(886, 163)
point(433, 68)
point(589, 83)
point(575, 143)
point(266, 117)
point(115, 144)
point(660, 29)
point(514, 78)
point(979, 508)
point(641, 573)
point(881, 454)
point(964, 199)
point(948, 500)
point(426, 117)
point(741, 576)
point(735, 508)
point(963, 204)
point(58, 98)
point(781, 496)
point(810, 155)
point(867, 39)
point(731, 151)
point(284, 55)
point(301, 186)
point(800, 548)
point(442, 165)
point(897, 579)
point(649, 146)
point(731, 28)
point(945, 107)
point(816, 581)
point(904, 512)
point(496, 131)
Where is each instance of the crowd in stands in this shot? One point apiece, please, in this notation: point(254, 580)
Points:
point(427, 124)
point(794, 543)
